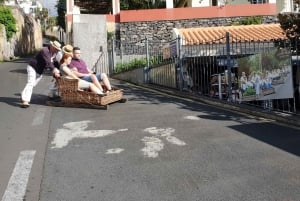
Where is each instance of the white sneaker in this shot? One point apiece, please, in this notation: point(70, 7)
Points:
point(25, 104)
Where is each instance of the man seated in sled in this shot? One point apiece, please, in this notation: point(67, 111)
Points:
point(81, 70)
point(66, 72)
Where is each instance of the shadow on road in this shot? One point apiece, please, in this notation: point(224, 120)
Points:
point(37, 99)
point(10, 101)
point(284, 138)
point(21, 71)
point(46, 73)
point(275, 135)
point(21, 60)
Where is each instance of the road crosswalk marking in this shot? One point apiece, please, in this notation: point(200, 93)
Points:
point(17, 184)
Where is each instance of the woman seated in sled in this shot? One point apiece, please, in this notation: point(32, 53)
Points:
point(67, 73)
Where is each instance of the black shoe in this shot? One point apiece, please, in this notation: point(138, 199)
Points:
point(55, 98)
point(25, 104)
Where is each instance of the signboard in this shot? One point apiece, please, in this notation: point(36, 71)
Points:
point(266, 76)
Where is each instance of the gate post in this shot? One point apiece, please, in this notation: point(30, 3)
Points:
point(228, 67)
point(179, 66)
point(111, 55)
point(146, 68)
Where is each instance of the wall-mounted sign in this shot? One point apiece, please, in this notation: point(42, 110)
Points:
point(266, 76)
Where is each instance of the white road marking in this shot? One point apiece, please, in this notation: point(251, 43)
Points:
point(77, 130)
point(114, 151)
point(39, 117)
point(154, 144)
point(160, 131)
point(175, 140)
point(167, 133)
point(16, 187)
point(192, 118)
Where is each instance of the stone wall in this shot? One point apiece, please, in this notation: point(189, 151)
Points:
point(163, 30)
point(27, 40)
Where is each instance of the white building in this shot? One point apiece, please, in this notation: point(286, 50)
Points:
point(9, 2)
point(281, 5)
point(28, 6)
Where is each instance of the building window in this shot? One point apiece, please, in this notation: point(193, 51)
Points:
point(258, 1)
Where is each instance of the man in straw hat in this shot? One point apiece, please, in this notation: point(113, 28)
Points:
point(35, 68)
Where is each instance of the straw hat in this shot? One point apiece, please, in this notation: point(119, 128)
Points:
point(55, 44)
point(68, 49)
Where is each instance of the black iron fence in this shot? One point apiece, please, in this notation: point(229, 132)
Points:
point(260, 73)
point(217, 69)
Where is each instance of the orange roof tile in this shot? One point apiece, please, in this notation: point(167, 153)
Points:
point(242, 33)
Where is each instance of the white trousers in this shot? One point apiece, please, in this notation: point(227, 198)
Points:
point(32, 80)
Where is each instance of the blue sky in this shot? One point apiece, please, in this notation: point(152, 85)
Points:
point(50, 4)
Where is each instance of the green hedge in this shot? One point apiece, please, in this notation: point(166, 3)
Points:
point(249, 21)
point(137, 63)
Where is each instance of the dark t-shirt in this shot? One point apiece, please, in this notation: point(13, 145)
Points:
point(80, 65)
point(42, 60)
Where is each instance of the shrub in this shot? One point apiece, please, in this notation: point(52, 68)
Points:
point(110, 35)
point(137, 63)
point(8, 20)
point(249, 21)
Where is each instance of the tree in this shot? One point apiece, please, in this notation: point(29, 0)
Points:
point(138, 4)
point(61, 12)
point(94, 6)
point(135, 4)
point(290, 23)
point(42, 16)
point(8, 20)
point(105, 6)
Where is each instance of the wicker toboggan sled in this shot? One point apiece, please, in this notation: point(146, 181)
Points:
point(71, 96)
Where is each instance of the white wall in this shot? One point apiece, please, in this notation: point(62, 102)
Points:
point(235, 2)
point(169, 4)
point(200, 3)
point(284, 6)
point(89, 33)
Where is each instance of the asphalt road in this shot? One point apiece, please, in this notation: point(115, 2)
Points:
point(154, 147)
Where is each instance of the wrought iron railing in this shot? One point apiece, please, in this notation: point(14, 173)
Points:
point(214, 69)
